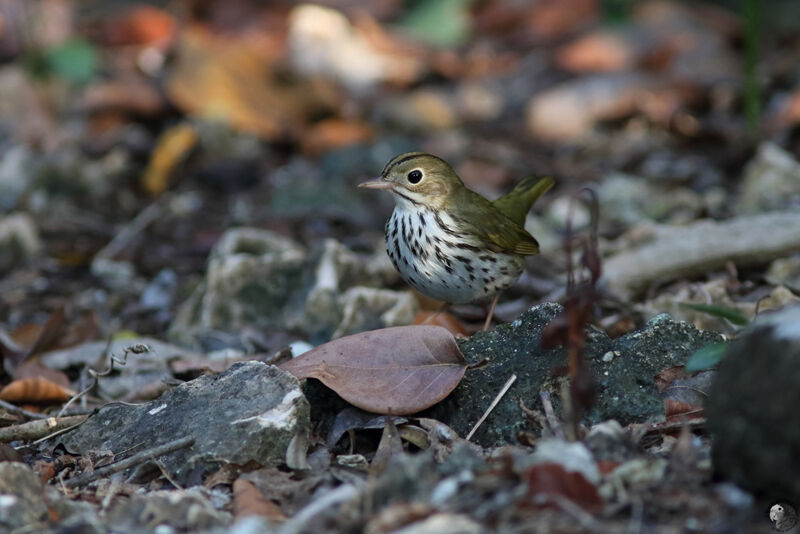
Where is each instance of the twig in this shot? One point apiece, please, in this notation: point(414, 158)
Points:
point(138, 348)
point(21, 411)
point(163, 469)
point(668, 426)
point(62, 430)
point(123, 239)
point(577, 513)
point(37, 429)
point(494, 403)
point(550, 415)
point(296, 524)
point(137, 458)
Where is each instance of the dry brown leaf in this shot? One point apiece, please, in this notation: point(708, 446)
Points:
point(220, 78)
point(685, 396)
point(171, 149)
point(668, 376)
point(9, 453)
point(248, 501)
point(554, 18)
point(334, 133)
point(400, 370)
point(141, 25)
point(33, 369)
point(36, 389)
point(25, 335)
point(597, 52)
point(551, 479)
point(50, 334)
point(390, 446)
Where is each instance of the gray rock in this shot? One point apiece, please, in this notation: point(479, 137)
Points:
point(786, 272)
point(625, 387)
point(16, 167)
point(752, 408)
point(160, 292)
point(260, 279)
point(771, 181)
point(251, 412)
point(22, 501)
point(627, 200)
point(569, 111)
point(684, 251)
point(19, 241)
point(184, 511)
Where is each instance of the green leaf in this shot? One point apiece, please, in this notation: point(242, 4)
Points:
point(443, 23)
point(74, 60)
point(706, 357)
point(722, 312)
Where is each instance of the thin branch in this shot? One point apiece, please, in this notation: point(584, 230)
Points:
point(550, 414)
point(21, 411)
point(136, 459)
point(139, 348)
point(37, 429)
point(494, 403)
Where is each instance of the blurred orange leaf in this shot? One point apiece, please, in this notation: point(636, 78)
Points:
point(597, 52)
point(171, 149)
point(398, 370)
point(225, 79)
point(334, 133)
point(249, 501)
point(35, 389)
point(141, 25)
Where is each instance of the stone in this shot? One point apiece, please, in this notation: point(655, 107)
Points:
point(625, 387)
point(260, 279)
point(684, 251)
point(16, 167)
point(367, 308)
point(19, 241)
point(752, 408)
point(322, 42)
point(771, 181)
point(188, 510)
point(569, 111)
point(627, 200)
point(785, 271)
point(22, 502)
point(251, 412)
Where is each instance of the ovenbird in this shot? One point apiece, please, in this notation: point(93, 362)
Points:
point(449, 242)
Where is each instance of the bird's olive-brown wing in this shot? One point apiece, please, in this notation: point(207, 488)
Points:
point(500, 233)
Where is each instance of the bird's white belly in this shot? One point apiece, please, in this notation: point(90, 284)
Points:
point(445, 265)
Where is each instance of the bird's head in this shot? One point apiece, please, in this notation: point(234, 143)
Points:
point(418, 178)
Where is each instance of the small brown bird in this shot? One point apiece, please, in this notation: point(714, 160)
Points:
point(449, 242)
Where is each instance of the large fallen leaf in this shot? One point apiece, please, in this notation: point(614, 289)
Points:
point(400, 370)
point(225, 79)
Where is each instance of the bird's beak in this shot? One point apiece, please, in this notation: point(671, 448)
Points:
point(376, 183)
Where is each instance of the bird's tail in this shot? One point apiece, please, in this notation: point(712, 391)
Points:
point(516, 203)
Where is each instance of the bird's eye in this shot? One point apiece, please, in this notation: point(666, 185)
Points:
point(415, 176)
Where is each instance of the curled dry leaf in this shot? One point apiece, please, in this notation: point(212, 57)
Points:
point(249, 501)
point(35, 389)
point(400, 370)
point(549, 480)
